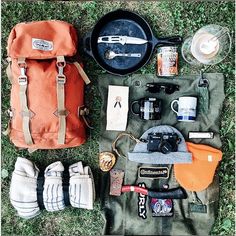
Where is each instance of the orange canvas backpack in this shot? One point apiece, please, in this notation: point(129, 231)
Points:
point(47, 94)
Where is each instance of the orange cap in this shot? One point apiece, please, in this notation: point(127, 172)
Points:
point(198, 175)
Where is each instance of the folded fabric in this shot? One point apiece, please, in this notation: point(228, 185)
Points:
point(140, 153)
point(199, 174)
point(81, 189)
point(23, 194)
point(53, 197)
point(27, 189)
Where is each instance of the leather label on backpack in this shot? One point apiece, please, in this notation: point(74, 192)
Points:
point(41, 44)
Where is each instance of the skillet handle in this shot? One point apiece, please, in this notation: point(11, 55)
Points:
point(173, 40)
point(87, 44)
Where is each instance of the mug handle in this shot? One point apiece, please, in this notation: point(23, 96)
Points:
point(134, 102)
point(172, 106)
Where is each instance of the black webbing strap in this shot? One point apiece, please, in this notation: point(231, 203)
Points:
point(65, 188)
point(40, 184)
point(65, 185)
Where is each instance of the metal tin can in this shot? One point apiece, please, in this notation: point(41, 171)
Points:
point(167, 61)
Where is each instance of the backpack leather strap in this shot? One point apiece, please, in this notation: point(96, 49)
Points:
point(8, 70)
point(61, 110)
point(25, 112)
point(82, 73)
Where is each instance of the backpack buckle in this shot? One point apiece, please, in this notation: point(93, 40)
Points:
point(21, 63)
point(61, 79)
point(22, 80)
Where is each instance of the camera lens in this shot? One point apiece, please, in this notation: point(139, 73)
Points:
point(166, 147)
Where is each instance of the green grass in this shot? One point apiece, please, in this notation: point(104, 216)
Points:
point(165, 18)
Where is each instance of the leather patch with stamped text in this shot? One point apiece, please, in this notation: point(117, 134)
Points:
point(153, 172)
point(197, 208)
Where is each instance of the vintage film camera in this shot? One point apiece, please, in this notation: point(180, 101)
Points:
point(163, 142)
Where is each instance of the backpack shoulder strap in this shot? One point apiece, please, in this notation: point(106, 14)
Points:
point(25, 112)
point(61, 110)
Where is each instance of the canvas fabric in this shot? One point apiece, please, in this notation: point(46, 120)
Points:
point(24, 187)
point(121, 213)
point(45, 110)
point(53, 198)
point(81, 189)
point(23, 194)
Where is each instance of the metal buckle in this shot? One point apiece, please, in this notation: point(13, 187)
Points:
point(22, 65)
point(9, 113)
point(61, 79)
point(61, 64)
point(22, 80)
point(83, 111)
point(203, 82)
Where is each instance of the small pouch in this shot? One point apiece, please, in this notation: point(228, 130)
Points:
point(81, 189)
point(199, 174)
point(23, 194)
point(53, 198)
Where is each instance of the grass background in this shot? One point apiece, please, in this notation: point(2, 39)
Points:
point(165, 18)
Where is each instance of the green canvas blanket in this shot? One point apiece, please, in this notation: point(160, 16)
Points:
point(121, 213)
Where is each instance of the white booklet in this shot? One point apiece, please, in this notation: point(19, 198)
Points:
point(117, 107)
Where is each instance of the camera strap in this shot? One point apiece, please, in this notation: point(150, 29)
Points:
point(120, 136)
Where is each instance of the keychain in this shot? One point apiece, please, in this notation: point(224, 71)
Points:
point(203, 92)
point(196, 206)
point(107, 159)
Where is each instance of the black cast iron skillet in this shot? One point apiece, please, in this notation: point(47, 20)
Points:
point(124, 23)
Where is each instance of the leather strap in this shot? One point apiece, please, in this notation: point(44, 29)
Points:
point(32, 150)
point(82, 73)
point(25, 112)
point(8, 70)
point(8, 129)
point(61, 111)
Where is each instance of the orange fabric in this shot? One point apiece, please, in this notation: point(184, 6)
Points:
point(42, 86)
point(61, 34)
point(199, 174)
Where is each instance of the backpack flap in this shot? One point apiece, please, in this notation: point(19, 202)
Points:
point(28, 40)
